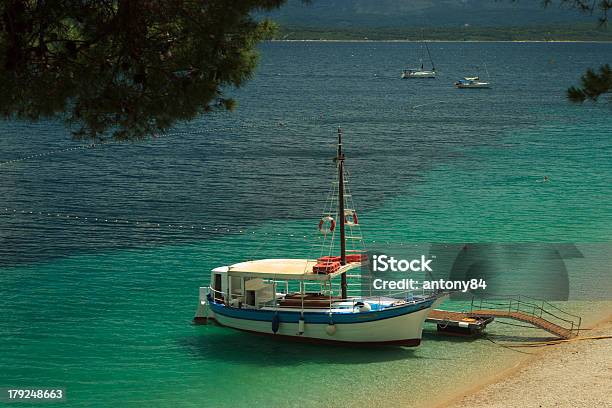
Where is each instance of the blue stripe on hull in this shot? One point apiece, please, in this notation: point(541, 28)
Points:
point(317, 317)
point(314, 340)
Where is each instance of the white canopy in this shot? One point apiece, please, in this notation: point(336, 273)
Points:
point(294, 269)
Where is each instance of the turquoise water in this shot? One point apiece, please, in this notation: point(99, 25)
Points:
point(103, 308)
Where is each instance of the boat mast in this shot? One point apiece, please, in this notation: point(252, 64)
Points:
point(433, 67)
point(340, 160)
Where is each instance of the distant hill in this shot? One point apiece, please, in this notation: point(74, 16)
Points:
point(560, 32)
point(345, 14)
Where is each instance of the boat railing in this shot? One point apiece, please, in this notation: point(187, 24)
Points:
point(334, 302)
point(216, 294)
point(529, 306)
point(219, 295)
point(408, 296)
point(235, 299)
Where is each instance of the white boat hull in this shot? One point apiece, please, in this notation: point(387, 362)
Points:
point(419, 74)
point(480, 85)
point(405, 329)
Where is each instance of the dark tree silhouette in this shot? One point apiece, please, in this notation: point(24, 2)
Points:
point(135, 67)
point(600, 7)
point(593, 84)
point(125, 67)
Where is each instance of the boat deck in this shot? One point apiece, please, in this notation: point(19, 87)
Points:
point(311, 301)
point(321, 301)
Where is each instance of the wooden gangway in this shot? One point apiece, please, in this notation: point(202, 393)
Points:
point(539, 313)
point(483, 311)
point(534, 320)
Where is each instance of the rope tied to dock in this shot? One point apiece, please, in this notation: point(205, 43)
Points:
point(555, 342)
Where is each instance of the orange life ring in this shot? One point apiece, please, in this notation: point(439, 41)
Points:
point(350, 217)
point(332, 225)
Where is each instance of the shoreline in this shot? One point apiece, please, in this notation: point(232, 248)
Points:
point(514, 386)
point(448, 41)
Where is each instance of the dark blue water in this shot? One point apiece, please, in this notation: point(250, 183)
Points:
point(102, 249)
point(280, 142)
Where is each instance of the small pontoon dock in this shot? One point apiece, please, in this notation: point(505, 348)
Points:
point(539, 313)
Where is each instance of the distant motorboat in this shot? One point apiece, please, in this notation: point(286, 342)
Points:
point(472, 82)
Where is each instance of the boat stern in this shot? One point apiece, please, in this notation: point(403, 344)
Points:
point(204, 314)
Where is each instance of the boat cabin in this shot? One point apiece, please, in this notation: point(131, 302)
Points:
point(278, 282)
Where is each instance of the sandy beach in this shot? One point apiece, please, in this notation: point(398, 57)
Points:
point(571, 374)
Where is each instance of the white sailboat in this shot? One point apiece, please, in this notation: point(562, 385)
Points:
point(421, 72)
point(296, 298)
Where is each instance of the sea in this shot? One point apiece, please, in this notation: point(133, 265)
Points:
point(103, 248)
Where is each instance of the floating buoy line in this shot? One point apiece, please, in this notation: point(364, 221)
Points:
point(174, 226)
point(39, 155)
point(134, 223)
point(277, 123)
point(115, 143)
point(115, 221)
point(194, 227)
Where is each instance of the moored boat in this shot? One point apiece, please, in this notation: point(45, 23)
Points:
point(418, 73)
point(472, 82)
point(421, 72)
point(307, 299)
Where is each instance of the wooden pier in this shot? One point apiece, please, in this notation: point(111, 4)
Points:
point(483, 311)
point(539, 322)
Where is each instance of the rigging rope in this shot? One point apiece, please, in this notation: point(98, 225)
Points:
point(504, 346)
